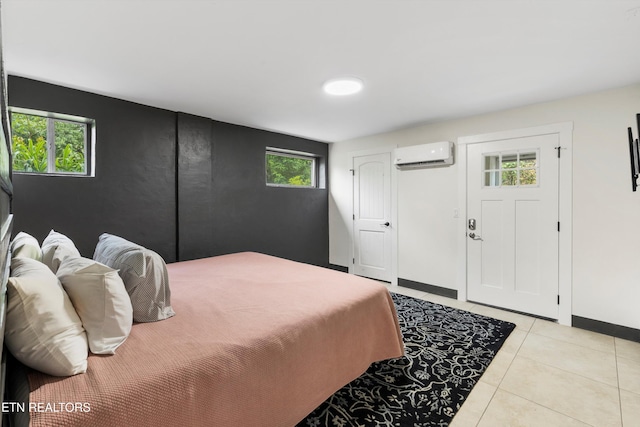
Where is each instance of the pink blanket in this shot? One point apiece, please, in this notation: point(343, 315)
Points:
point(256, 341)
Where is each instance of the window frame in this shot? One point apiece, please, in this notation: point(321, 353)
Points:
point(281, 152)
point(52, 118)
point(517, 169)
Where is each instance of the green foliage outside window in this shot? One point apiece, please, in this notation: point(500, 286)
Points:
point(29, 141)
point(519, 169)
point(289, 170)
point(69, 140)
point(511, 169)
point(30, 148)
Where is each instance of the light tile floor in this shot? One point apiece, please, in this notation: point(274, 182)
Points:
point(551, 375)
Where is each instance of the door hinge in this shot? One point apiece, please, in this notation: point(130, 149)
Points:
point(353, 172)
point(558, 148)
point(558, 299)
point(354, 217)
point(353, 261)
point(558, 226)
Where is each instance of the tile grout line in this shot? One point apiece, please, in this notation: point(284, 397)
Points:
point(572, 372)
point(502, 379)
point(529, 400)
point(575, 373)
point(615, 352)
point(569, 372)
point(549, 409)
point(486, 407)
point(564, 341)
point(568, 341)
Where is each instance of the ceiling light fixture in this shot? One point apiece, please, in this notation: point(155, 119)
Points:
point(343, 86)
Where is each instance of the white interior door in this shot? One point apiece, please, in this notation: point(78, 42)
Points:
point(372, 216)
point(512, 224)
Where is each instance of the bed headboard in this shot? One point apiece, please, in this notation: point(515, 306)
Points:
point(6, 218)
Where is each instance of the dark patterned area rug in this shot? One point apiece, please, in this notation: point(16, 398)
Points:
point(446, 352)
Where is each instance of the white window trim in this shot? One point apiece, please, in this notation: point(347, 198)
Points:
point(518, 168)
point(89, 141)
point(297, 155)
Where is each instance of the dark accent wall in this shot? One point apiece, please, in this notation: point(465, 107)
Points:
point(133, 192)
point(195, 186)
point(225, 205)
point(185, 186)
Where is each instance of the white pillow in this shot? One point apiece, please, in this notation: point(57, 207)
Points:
point(101, 301)
point(43, 330)
point(25, 246)
point(55, 248)
point(144, 274)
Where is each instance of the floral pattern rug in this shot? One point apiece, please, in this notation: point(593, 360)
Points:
point(446, 352)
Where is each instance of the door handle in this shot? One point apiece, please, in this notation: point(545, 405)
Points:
point(474, 236)
point(386, 224)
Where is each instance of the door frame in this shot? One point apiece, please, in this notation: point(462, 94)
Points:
point(394, 209)
point(564, 131)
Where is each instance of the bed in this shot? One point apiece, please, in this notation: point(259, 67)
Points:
point(256, 341)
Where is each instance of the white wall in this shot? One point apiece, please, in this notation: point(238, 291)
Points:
point(606, 213)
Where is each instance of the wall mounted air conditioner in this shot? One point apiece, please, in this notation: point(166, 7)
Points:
point(424, 156)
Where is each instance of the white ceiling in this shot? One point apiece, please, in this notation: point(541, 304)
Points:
point(262, 63)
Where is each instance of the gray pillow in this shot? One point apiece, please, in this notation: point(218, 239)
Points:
point(144, 274)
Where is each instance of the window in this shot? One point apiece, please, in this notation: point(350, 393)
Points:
point(511, 169)
point(47, 143)
point(290, 168)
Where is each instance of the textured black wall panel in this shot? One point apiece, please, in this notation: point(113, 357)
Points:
point(246, 215)
point(185, 186)
point(195, 197)
point(133, 192)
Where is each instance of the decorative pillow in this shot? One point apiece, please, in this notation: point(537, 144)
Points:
point(24, 245)
point(43, 330)
point(55, 248)
point(101, 301)
point(144, 274)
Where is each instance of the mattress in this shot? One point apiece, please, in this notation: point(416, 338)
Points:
point(256, 341)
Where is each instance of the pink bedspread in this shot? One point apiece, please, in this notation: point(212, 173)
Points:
point(256, 341)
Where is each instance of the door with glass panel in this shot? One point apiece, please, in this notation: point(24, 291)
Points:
point(512, 224)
